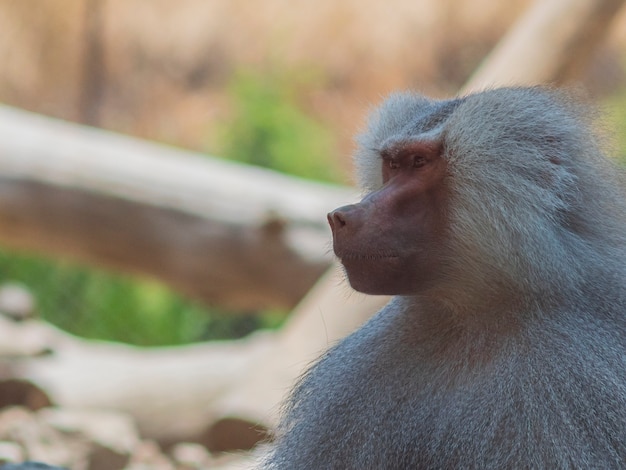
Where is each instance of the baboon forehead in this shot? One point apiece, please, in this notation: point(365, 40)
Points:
point(410, 114)
point(413, 112)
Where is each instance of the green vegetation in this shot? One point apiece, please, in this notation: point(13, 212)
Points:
point(269, 129)
point(99, 305)
point(615, 108)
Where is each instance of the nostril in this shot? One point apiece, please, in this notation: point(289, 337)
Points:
point(339, 218)
point(336, 219)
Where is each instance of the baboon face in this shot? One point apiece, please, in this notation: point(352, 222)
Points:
point(389, 242)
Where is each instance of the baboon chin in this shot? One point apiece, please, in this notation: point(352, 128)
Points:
point(499, 226)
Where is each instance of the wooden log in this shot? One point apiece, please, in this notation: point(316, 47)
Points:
point(224, 233)
point(552, 43)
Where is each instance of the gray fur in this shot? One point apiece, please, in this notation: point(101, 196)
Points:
point(517, 358)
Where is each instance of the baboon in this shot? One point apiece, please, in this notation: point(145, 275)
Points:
point(499, 226)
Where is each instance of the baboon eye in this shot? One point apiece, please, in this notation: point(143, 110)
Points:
point(393, 165)
point(418, 162)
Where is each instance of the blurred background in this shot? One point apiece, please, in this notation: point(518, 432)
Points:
point(255, 82)
point(275, 84)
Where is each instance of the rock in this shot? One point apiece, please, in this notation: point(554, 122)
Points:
point(10, 452)
point(188, 456)
point(113, 429)
point(16, 392)
point(112, 435)
point(16, 301)
point(30, 466)
point(232, 434)
point(148, 456)
point(40, 441)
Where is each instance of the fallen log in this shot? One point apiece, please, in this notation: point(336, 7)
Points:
point(552, 43)
point(238, 236)
point(182, 393)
